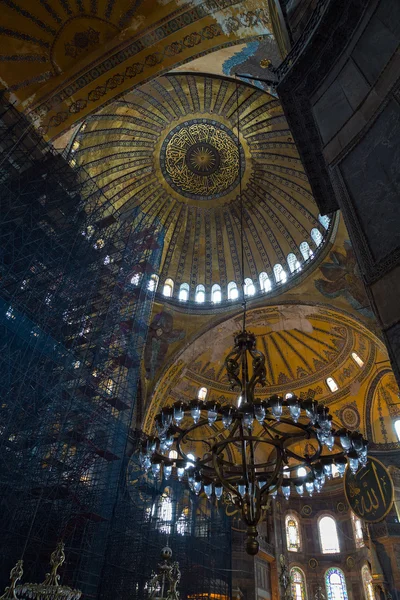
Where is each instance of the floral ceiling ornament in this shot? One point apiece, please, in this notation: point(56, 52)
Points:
point(81, 42)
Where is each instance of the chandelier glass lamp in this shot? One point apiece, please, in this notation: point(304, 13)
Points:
point(250, 451)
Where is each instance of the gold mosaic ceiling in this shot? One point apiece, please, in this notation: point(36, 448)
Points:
point(171, 149)
point(61, 60)
point(303, 346)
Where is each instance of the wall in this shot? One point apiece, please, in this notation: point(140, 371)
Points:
point(341, 97)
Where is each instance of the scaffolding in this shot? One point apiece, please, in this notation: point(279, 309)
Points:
point(152, 514)
point(77, 285)
point(75, 300)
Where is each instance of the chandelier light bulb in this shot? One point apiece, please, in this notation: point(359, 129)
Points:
point(195, 413)
point(167, 471)
point(208, 489)
point(259, 412)
point(218, 491)
point(353, 463)
point(295, 409)
point(286, 490)
point(300, 489)
point(310, 487)
point(178, 413)
point(227, 419)
point(180, 472)
point(329, 441)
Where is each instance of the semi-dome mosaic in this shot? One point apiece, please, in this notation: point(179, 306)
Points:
point(310, 351)
point(171, 148)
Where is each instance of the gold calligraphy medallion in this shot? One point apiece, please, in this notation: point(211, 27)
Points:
point(370, 491)
point(200, 159)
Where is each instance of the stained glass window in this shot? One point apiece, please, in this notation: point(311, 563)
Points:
point(168, 288)
point(367, 581)
point(328, 535)
point(335, 584)
point(298, 582)
point(306, 250)
point(265, 283)
point(165, 512)
point(200, 295)
point(280, 274)
point(293, 263)
point(292, 534)
point(184, 292)
point(233, 292)
point(397, 428)
point(202, 393)
point(316, 236)
point(324, 220)
point(357, 530)
point(216, 295)
point(249, 288)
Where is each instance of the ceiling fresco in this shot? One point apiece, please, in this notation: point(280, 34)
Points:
point(171, 148)
point(303, 346)
point(64, 59)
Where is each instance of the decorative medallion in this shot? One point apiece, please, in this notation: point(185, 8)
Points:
point(350, 563)
point(349, 416)
point(370, 491)
point(200, 159)
point(313, 563)
point(341, 507)
point(306, 510)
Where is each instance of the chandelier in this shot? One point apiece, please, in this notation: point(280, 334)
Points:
point(250, 451)
point(163, 583)
point(50, 589)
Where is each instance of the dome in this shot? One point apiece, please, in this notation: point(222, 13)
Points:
point(171, 148)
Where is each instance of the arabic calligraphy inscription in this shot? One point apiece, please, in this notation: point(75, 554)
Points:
point(370, 491)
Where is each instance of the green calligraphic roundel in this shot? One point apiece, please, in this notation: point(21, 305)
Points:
point(370, 491)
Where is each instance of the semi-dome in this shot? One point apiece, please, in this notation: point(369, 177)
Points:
point(172, 149)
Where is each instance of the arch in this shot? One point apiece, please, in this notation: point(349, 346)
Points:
point(292, 528)
point(200, 294)
point(233, 292)
point(359, 361)
point(332, 385)
point(324, 220)
point(357, 531)
point(216, 294)
point(293, 263)
point(184, 292)
point(168, 288)
point(202, 393)
point(335, 584)
point(298, 584)
point(367, 583)
point(265, 282)
point(306, 250)
point(153, 283)
point(328, 536)
point(316, 236)
point(279, 274)
point(249, 287)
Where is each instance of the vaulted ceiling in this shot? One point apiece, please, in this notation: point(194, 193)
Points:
point(303, 346)
point(61, 60)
